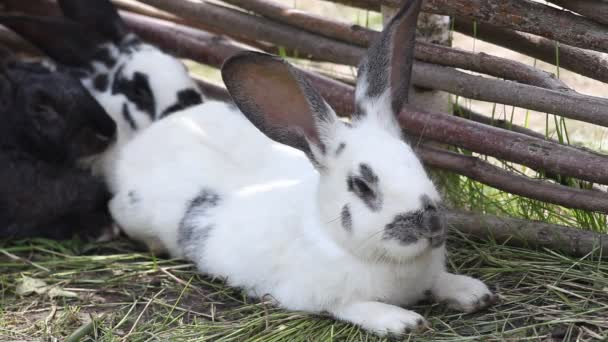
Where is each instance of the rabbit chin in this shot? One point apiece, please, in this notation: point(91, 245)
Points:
point(402, 253)
point(393, 251)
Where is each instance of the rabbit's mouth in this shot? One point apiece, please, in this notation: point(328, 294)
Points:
point(438, 240)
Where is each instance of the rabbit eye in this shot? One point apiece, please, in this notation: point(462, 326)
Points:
point(361, 188)
point(141, 93)
point(43, 108)
point(367, 191)
point(43, 104)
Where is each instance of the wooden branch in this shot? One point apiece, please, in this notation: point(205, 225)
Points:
point(568, 104)
point(519, 148)
point(210, 50)
point(587, 63)
point(486, 173)
point(354, 34)
point(500, 123)
point(491, 175)
point(213, 91)
point(530, 234)
point(592, 9)
point(13, 42)
point(240, 25)
point(489, 65)
point(521, 15)
point(527, 16)
point(427, 52)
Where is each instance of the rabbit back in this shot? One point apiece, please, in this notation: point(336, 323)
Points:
point(208, 147)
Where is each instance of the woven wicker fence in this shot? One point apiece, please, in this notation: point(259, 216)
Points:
point(209, 32)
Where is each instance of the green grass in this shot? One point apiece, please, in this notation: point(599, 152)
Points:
point(122, 295)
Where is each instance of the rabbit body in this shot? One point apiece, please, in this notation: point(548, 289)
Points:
point(246, 208)
point(285, 200)
point(44, 131)
point(135, 82)
point(221, 137)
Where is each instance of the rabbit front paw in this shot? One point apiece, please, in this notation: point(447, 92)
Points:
point(381, 319)
point(463, 293)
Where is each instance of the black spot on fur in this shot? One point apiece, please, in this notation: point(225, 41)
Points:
point(100, 82)
point(104, 56)
point(185, 98)
point(347, 219)
point(365, 186)
point(133, 197)
point(426, 223)
point(368, 174)
point(79, 72)
point(340, 149)
point(192, 233)
point(126, 114)
point(405, 228)
point(130, 44)
point(137, 90)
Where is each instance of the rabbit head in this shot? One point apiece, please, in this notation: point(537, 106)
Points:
point(52, 114)
point(135, 82)
point(374, 196)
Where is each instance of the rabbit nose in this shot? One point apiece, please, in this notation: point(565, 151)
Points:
point(105, 138)
point(433, 220)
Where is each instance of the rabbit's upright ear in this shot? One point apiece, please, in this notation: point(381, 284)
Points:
point(384, 73)
point(279, 101)
point(99, 15)
point(64, 41)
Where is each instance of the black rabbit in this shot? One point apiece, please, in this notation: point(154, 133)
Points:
point(135, 82)
point(48, 122)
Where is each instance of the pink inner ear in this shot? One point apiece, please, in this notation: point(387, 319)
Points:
point(276, 93)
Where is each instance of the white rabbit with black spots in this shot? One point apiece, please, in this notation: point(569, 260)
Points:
point(135, 82)
point(291, 202)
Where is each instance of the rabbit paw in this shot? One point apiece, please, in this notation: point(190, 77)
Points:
point(463, 293)
point(382, 319)
point(108, 233)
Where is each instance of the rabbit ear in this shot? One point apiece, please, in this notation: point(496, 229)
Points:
point(64, 41)
point(388, 65)
point(279, 101)
point(99, 15)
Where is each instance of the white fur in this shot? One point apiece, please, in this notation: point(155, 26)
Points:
point(277, 228)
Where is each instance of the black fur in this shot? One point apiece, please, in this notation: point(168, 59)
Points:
point(104, 56)
point(426, 223)
point(388, 62)
point(100, 82)
point(49, 121)
point(340, 149)
point(365, 186)
point(137, 90)
point(191, 234)
point(185, 98)
point(347, 218)
point(126, 114)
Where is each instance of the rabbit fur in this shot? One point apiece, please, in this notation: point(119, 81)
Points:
point(49, 121)
point(285, 200)
point(134, 81)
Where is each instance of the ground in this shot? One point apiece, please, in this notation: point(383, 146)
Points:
point(109, 292)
